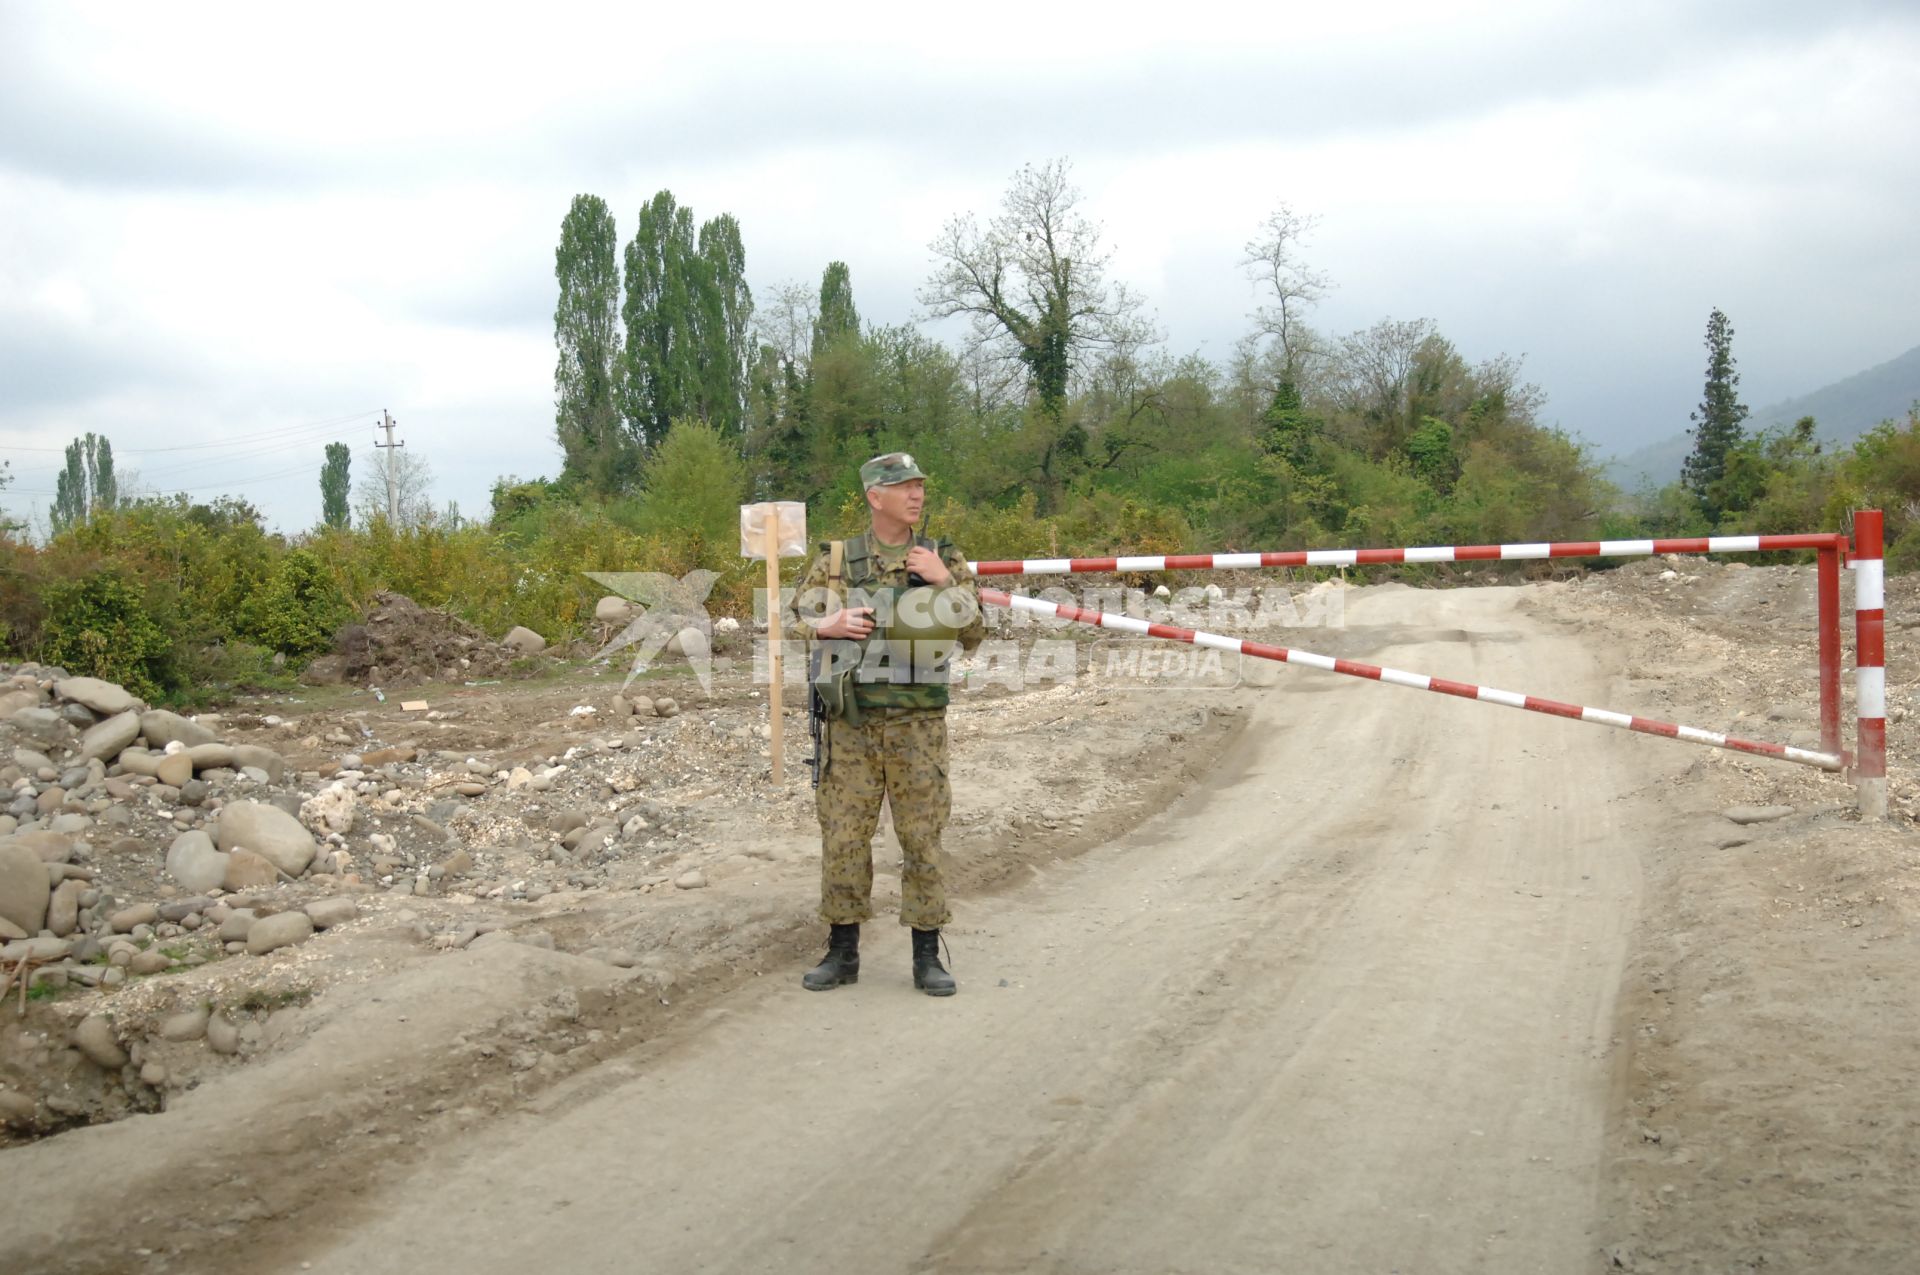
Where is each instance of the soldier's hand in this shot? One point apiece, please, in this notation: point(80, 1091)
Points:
point(851, 622)
point(926, 564)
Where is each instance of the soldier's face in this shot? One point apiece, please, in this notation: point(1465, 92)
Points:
point(899, 501)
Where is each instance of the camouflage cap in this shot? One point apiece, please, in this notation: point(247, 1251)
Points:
point(884, 471)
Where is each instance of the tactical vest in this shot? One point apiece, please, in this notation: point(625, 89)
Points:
point(869, 693)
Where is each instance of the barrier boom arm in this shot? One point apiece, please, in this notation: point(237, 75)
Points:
point(1418, 681)
point(1431, 553)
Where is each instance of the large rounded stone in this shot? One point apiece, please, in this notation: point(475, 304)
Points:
point(41, 725)
point(138, 761)
point(49, 846)
point(248, 871)
point(106, 698)
point(174, 769)
point(327, 913)
point(210, 756)
point(234, 926)
point(162, 728)
point(126, 919)
point(268, 831)
point(270, 933)
point(12, 702)
point(524, 640)
point(17, 1110)
point(151, 961)
point(188, 1024)
point(63, 909)
point(690, 642)
point(24, 888)
point(266, 759)
point(111, 736)
point(193, 861)
point(31, 761)
point(613, 610)
point(94, 1037)
point(223, 1035)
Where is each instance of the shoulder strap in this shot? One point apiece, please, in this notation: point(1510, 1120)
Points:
point(836, 568)
point(858, 553)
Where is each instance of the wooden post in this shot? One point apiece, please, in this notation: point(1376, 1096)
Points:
point(777, 732)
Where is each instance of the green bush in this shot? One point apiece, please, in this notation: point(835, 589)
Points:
point(100, 626)
point(300, 609)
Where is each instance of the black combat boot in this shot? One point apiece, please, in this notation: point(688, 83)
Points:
point(842, 963)
point(929, 975)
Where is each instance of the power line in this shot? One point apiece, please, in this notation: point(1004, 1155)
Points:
point(237, 483)
point(249, 453)
point(257, 437)
point(250, 449)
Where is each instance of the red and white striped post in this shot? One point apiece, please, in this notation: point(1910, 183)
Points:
point(1870, 662)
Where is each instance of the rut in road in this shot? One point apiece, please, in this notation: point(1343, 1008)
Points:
point(1347, 1007)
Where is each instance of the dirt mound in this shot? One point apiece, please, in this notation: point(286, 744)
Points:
point(401, 641)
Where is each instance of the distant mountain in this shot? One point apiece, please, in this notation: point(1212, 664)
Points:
point(1842, 411)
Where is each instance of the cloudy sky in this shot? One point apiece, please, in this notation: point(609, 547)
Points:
point(229, 234)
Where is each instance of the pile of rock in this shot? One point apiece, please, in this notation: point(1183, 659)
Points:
point(401, 642)
point(90, 765)
point(634, 704)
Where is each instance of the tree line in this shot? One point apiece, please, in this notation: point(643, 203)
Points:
point(1059, 423)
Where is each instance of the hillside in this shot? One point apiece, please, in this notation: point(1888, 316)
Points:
point(1843, 410)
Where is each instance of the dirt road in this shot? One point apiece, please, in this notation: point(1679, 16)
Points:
point(1348, 1006)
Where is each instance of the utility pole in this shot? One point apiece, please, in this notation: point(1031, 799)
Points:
point(393, 492)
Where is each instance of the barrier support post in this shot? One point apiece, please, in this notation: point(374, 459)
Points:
point(1828, 592)
point(1870, 660)
point(775, 686)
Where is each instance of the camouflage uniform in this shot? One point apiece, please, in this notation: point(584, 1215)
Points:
point(898, 752)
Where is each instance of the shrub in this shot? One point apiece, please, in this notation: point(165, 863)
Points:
point(301, 608)
point(100, 626)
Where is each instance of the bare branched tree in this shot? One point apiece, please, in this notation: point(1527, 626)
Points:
point(412, 484)
point(1273, 264)
point(786, 322)
point(1034, 282)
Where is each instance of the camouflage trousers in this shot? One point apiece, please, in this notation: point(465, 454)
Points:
point(901, 760)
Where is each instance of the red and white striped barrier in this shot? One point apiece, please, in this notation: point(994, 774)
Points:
point(1418, 681)
point(1870, 668)
point(1831, 547)
point(1433, 553)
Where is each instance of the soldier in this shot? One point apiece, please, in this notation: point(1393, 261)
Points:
point(889, 741)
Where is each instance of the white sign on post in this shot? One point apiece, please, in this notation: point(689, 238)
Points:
point(770, 531)
point(787, 519)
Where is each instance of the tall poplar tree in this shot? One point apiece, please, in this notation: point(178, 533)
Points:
point(600, 451)
point(1717, 421)
point(86, 486)
point(335, 485)
point(725, 317)
point(661, 286)
point(836, 317)
point(688, 312)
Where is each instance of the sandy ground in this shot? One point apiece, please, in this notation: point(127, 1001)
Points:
point(1316, 976)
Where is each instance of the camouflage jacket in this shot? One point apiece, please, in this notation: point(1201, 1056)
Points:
point(882, 567)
